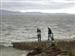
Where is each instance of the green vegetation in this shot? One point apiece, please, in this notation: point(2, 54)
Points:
point(71, 53)
point(64, 45)
point(30, 45)
point(68, 46)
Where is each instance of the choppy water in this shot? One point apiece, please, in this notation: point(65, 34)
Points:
point(16, 28)
point(9, 51)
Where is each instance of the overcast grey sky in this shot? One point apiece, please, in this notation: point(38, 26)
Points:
point(45, 6)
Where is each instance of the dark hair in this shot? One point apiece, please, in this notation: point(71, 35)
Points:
point(38, 30)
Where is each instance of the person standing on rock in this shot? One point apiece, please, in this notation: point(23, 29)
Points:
point(50, 37)
point(39, 34)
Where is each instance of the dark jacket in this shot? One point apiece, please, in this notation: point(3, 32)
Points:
point(49, 31)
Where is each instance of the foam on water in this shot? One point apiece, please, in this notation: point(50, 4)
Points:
point(23, 28)
point(9, 51)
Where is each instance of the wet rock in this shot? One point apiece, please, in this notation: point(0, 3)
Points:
point(36, 51)
point(50, 51)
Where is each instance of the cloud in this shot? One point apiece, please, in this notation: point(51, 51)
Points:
point(68, 10)
point(64, 1)
point(37, 4)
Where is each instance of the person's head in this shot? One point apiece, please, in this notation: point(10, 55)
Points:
point(38, 30)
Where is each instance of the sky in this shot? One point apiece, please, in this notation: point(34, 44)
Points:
point(44, 6)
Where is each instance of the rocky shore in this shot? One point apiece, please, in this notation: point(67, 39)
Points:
point(50, 51)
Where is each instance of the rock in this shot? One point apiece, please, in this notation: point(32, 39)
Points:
point(62, 55)
point(36, 51)
point(50, 51)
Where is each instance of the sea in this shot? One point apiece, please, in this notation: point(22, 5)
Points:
point(23, 28)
